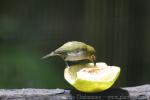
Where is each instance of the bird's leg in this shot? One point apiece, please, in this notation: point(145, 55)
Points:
point(93, 61)
point(66, 63)
point(93, 58)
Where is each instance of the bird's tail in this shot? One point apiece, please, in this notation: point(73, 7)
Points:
point(49, 55)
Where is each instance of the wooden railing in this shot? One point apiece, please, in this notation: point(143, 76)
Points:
point(128, 93)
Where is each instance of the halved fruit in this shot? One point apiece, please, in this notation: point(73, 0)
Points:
point(90, 78)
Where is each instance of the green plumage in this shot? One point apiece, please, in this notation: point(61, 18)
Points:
point(75, 46)
point(74, 51)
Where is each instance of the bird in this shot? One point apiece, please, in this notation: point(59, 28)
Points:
point(74, 51)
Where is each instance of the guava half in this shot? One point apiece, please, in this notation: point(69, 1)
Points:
point(90, 78)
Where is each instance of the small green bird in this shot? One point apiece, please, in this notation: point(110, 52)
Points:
point(74, 51)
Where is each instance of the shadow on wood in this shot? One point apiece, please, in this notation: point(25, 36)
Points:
point(110, 94)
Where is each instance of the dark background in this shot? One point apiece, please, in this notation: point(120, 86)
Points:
point(29, 29)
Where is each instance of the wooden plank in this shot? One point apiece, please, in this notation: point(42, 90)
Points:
point(127, 93)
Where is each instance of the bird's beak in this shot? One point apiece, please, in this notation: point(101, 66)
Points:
point(49, 55)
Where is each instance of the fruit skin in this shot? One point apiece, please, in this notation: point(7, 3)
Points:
point(90, 86)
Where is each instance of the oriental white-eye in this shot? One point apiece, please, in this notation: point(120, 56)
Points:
point(74, 51)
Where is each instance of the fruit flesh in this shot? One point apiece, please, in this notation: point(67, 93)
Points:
point(90, 78)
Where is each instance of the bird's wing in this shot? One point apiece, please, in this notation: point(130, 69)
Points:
point(71, 46)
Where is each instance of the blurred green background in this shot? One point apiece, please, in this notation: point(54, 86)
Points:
point(29, 29)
